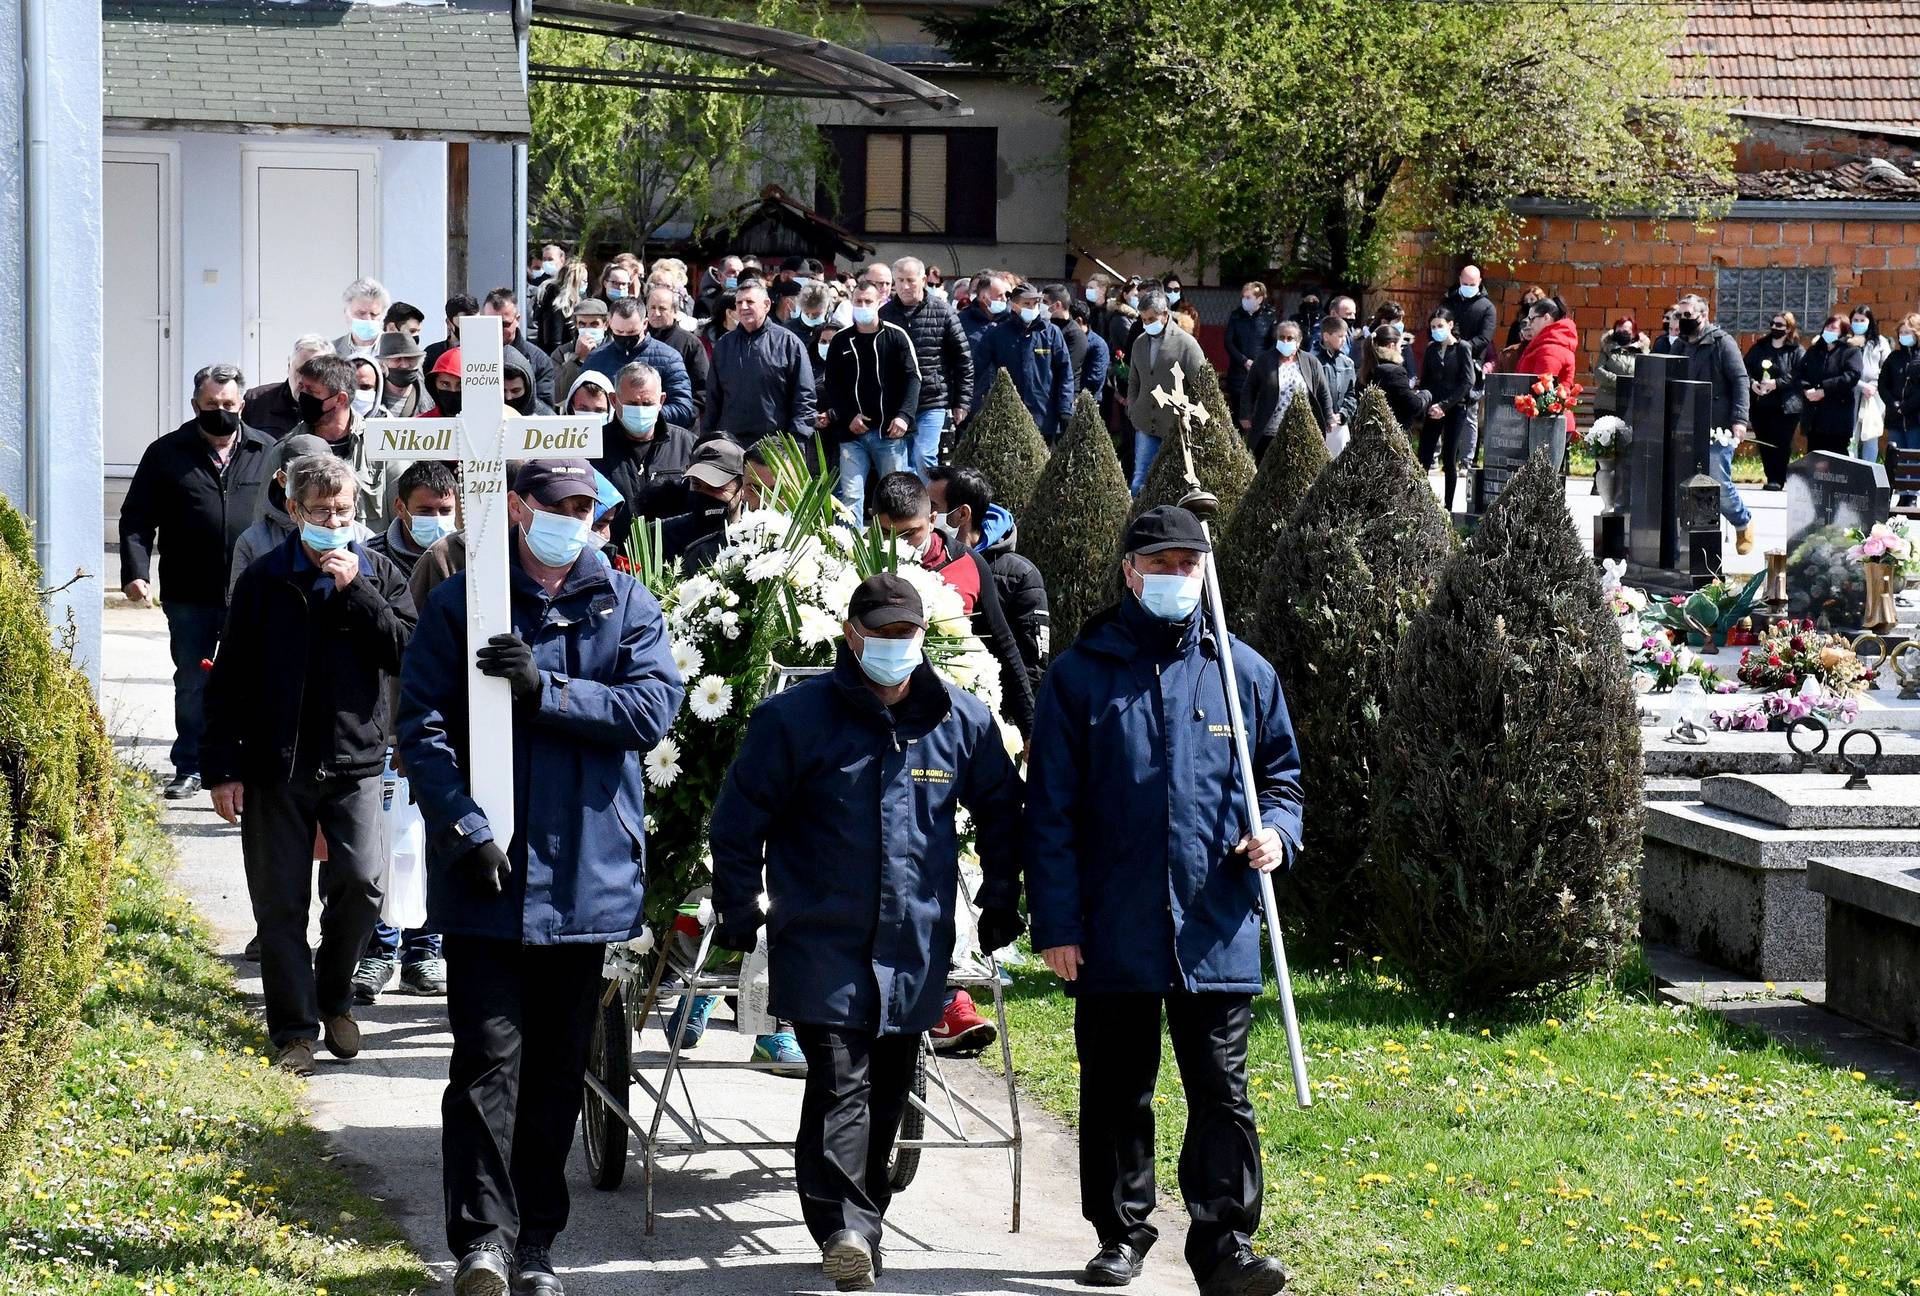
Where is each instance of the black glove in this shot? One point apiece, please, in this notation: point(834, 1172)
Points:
point(738, 937)
point(509, 658)
point(487, 866)
point(1000, 928)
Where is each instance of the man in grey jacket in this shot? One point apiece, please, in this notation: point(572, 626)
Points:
point(1162, 345)
point(761, 381)
point(1713, 357)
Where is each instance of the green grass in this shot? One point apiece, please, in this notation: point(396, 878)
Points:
point(1747, 468)
point(1607, 1144)
point(171, 1158)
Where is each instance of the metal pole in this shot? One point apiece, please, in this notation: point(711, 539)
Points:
point(39, 256)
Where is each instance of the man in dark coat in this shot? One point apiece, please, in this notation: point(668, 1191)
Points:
point(761, 380)
point(502, 302)
point(628, 342)
point(1141, 891)
point(664, 327)
point(716, 480)
point(526, 922)
point(1031, 348)
point(1249, 338)
point(970, 522)
point(1476, 321)
point(1343, 393)
point(645, 455)
point(1713, 357)
point(296, 739)
point(946, 360)
point(870, 399)
point(196, 490)
point(861, 890)
point(273, 409)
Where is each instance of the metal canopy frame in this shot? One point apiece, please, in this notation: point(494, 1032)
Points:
point(805, 66)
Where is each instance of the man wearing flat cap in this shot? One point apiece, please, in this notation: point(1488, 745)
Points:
point(1142, 894)
point(716, 493)
point(526, 921)
point(840, 806)
point(1033, 351)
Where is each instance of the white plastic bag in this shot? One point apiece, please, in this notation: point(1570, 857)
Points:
point(403, 900)
point(750, 1010)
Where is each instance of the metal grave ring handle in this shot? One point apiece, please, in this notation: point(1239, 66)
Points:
point(1856, 767)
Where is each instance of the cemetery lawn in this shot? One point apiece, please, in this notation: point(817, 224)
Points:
point(1604, 1144)
point(171, 1159)
point(1747, 468)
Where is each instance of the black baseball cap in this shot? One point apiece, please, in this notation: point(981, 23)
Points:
point(884, 599)
point(552, 480)
point(717, 462)
point(1167, 527)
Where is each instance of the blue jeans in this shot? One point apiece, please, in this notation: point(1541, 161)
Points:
point(1146, 448)
point(412, 947)
point(924, 451)
point(1905, 438)
point(870, 454)
point(193, 631)
point(1732, 507)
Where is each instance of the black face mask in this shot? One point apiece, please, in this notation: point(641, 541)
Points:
point(1778, 330)
point(447, 402)
point(627, 344)
point(217, 422)
point(1689, 327)
point(312, 408)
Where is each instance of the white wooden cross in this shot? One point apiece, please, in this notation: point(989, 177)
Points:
point(482, 440)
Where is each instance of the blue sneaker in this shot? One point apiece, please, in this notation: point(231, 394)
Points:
point(689, 1020)
point(784, 1050)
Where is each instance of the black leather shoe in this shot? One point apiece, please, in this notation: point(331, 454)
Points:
point(1117, 1265)
point(483, 1272)
point(1247, 1274)
point(533, 1273)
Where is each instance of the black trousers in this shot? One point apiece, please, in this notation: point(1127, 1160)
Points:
point(277, 822)
point(522, 1017)
point(1117, 1037)
point(857, 1086)
point(193, 633)
point(1443, 434)
point(1774, 431)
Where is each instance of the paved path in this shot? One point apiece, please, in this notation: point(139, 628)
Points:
point(728, 1223)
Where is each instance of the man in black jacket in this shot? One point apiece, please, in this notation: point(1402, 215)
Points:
point(760, 380)
point(1476, 321)
point(644, 455)
point(716, 495)
point(297, 724)
point(663, 326)
point(273, 409)
point(946, 361)
point(196, 489)
point(970, 522)
point(870, 397)
point(1713, 357)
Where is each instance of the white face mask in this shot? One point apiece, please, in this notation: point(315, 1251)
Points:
point(363, 402)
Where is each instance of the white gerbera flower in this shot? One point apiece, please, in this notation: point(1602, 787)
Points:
point(771, 565)
point(711, 698)
point(687, 659)
point(663, 763)
point(817, 625)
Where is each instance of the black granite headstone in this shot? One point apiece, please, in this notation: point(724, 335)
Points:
point(1689, 409)
point(1828, 494)
point(1649, 477)
point(1508, 437)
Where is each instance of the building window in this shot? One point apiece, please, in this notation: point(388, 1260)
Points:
point(907, 183)
point(1746, 300)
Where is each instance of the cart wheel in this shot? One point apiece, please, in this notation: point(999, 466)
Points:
point(603, 1134)
point(913, 1125)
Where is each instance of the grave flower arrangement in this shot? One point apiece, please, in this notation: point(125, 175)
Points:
point(775, 596)
point(1792, 653)
point(1892, 543)
point(1607, 437)
point(1780, 708)
point(1548, 396)
point(1710, 613)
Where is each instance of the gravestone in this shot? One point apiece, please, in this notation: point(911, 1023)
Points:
point(1651, 543)
point(1827, 494)
point(1873, 940)
point(1508, 438)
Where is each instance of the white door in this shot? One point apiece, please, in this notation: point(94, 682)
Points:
point(308, 229)
point(143, 400)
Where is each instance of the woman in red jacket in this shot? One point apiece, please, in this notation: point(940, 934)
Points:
point(1552, 344)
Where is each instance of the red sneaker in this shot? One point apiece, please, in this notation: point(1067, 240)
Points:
point(963, 1031)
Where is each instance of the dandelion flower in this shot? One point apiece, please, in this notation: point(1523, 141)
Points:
point(663, 763)
point(711, 698)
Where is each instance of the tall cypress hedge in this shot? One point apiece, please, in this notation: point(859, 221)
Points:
point(1079, 506)
point(1507, 810)
point(1345, 579)
point(1292, 461)
point(1002, 440)
point(56, 840)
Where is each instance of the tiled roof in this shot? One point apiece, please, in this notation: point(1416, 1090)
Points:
point(415, 72)
point(1855, 63)
point(1875, 181)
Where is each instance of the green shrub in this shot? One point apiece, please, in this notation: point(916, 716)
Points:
point(1507, 808)
point(1079, 506)
point(1292, 461)
point(56, 842)
point(1002, 440)
point(1346, 576)
point(1221, 459)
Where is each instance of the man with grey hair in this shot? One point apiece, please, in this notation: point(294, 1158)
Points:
point(326, 385)
point(946, 361)
point(196, 489)
point(296, 739)
point(274, 408)
point(1161, 346)
point(644, 454)
point(366, 303)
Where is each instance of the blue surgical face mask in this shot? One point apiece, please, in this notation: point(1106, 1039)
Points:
point(1251, 305)
point(864, 315)
point(1440, 332)
point(1169, 597)
point(1829, 336)
point(1469, 291)
point(638, 420)
point(997, 307)
point(549, 267)
point(1859, 328)
point(1028, 314)
point(889, 661)
point(1093, 295)
point(1399, 328)
point(555, 538)
point(1153, 329)
point(1133, 300)
point(730, 282)
point(616, 294)
point(1173, 296)
point(1906, 339)
point(1285, 346)
point(363, 330)
point(593, 337)
point(813, 321)
point(326, 539)
point(426, 528)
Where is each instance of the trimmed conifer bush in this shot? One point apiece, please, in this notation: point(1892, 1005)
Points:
point(1079, 507)
point(1507, 808)
point(1002, 440)
point(1221, 459)
point(1346, 577)
point(56, 840)
point(1292, 461)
